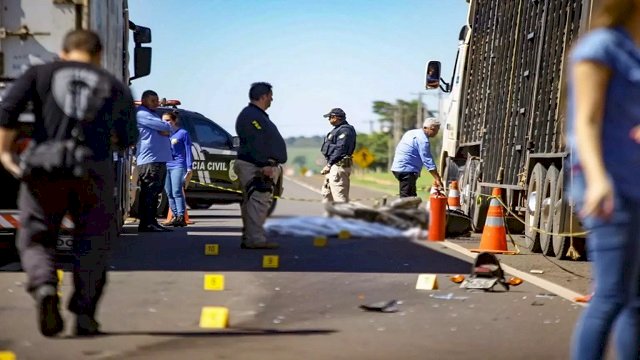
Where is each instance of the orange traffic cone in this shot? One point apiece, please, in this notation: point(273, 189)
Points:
point(186, 213)
point(494, 236)
point(454, 196)
point(169, 218)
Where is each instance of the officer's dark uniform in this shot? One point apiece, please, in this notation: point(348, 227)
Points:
point(260, 145)
point(337, 148)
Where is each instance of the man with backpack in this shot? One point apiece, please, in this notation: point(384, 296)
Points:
point(81, 114)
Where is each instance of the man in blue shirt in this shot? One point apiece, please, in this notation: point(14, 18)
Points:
point(153, 153)
point(413, 151)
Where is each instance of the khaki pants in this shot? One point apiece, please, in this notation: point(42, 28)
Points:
point(255, 205)
point(336, 184)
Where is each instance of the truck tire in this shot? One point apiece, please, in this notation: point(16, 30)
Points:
point(560, 243)
point(451, 172)
point(532, 215)
point(467, 185)
point(548, 209)
point(479, 215)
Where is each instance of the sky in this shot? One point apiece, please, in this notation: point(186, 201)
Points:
point(317, 54)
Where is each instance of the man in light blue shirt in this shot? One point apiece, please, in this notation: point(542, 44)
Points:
point(413, 151)
point(153, 151)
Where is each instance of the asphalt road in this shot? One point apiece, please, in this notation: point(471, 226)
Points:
point(308, 308)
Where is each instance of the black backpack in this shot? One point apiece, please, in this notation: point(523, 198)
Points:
point(80, 93)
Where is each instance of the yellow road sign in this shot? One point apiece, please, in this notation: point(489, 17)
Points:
point(363, 157)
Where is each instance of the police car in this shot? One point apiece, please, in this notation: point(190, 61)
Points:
point(213, 149)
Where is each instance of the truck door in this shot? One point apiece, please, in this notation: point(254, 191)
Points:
point(31, 32)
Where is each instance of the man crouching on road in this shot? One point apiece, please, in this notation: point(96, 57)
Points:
point(262, 151)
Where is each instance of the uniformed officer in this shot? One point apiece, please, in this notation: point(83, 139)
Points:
point(261, 153)
point(337, 149)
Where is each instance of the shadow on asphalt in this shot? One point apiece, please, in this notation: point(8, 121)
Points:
point(177, 251)
point(229, 332)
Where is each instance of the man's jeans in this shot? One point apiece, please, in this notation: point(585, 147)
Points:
point(614, 249)
point(173, 187)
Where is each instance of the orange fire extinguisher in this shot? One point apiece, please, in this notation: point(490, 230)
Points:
point(437, 216)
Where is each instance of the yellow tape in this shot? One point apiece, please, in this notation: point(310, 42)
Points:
point(504, 206)
point(583, 233)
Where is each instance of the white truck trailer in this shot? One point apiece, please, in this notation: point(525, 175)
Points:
point(31, 32)
point(504, 118)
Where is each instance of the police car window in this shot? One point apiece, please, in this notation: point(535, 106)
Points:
point(207, 134)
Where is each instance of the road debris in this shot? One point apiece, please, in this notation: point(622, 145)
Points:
point(382, 306)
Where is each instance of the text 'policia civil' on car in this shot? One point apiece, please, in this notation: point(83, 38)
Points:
point(214, 151)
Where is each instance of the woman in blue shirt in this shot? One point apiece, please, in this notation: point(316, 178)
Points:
point(604, 115)
point(178, 170)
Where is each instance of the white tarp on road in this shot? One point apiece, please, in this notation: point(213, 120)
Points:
point(315, 226)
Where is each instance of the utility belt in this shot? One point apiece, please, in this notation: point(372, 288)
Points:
point(346, 162)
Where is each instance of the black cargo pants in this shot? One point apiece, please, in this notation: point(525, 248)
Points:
point(407, 184)
point(151, 178)
point(91, 204)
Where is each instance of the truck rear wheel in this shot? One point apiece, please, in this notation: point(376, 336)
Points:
point(560, 243)
point(467, 185)
point(549, 199)
point(482, 202)
point(533, 208)
point(452, 172)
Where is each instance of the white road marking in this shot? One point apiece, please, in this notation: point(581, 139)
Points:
point(304, 185)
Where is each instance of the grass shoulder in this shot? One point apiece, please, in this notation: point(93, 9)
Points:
point(385, 181)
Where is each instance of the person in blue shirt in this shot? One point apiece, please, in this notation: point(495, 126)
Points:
point(153, 151)
point(413, 152)
point(603, 119)
point(178, 170)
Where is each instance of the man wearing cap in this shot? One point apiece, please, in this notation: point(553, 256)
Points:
point(337, 149)
point(413, 151)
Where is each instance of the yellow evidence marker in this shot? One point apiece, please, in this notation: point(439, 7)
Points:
point(344, 235)
point(270, 261)
point(7, 355)
point(211, 249)
point(214, 317)
point(320, 241)
point(427, 282)
point(214, 282)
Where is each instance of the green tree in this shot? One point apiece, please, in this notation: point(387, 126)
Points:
point(300, 160)
point(378, 144)
point(408, 113)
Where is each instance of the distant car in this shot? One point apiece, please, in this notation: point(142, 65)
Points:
point(214, 151)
